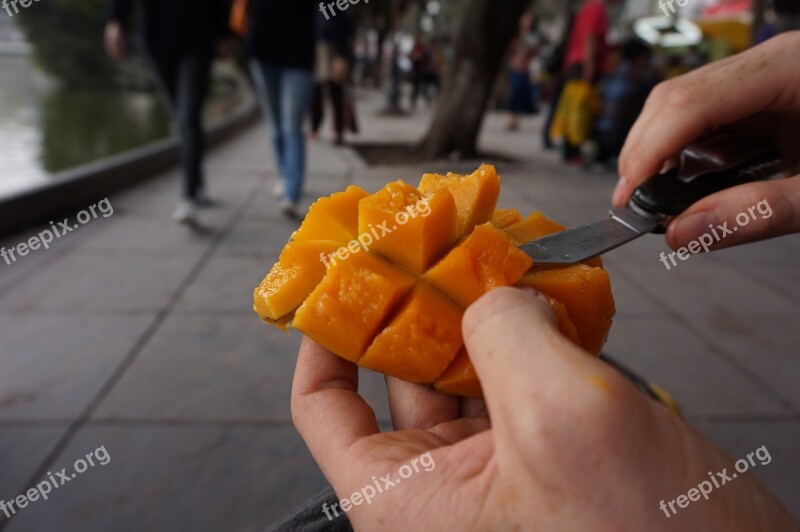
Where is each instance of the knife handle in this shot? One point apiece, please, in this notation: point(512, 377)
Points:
point(712, 164)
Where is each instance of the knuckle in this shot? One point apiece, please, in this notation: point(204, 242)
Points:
point(683, 94)
point(660, 92)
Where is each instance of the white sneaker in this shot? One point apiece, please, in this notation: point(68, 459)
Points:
point(185, 212)
point(279, 188)
point(290, 210)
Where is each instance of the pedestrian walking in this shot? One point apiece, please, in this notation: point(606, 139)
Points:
point(180, 40)
point(280, 46)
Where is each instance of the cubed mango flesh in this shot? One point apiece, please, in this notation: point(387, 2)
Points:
point(484, 260)
point(409, 228)
point(333, 218)
point(475, 195)
point(420, 341)
point(503, 218)
point(383, 280)
point(291, 280)
point(460, 378)
point(585, 291)
point(346, 310)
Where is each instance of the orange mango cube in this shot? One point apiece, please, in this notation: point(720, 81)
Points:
point(475, 195)
point(460, 378)
point(484, 260)
point(291, 280)
point(421, 341)
point(410, 229)
point(345, 311)
point(585, 291)
point(333, 218)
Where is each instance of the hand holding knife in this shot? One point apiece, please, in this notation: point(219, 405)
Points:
point(713, 163)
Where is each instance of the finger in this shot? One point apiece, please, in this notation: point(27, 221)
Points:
point(460, 429)
point(725, 92)
point(470, 407)
point(326, 407)
point(418, 407)
point(518, 352)
point(748, 213)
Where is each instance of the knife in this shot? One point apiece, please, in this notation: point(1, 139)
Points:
point(715, 162)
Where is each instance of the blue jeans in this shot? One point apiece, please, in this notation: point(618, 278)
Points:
point(285, 95)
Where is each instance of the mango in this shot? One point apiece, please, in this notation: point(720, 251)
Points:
point(382, 280)
point(410, 228)
point(475, 195)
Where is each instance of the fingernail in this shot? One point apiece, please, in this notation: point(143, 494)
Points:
point(691, 227)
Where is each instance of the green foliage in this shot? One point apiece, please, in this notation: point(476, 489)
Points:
point(67, 41)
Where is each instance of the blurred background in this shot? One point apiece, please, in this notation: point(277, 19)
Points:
point(135, 333)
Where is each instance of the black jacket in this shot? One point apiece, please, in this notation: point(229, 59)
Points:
point(173, 28)
point(282, 32)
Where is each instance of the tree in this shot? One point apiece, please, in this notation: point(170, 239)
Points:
point(487, 31)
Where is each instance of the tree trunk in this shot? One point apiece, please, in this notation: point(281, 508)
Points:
point(487, 30)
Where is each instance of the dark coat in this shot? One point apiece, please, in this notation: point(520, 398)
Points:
point(173, 28)
point(282, 32)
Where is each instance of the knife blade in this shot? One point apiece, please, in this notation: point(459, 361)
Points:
point(592, 240)
point(717, 161)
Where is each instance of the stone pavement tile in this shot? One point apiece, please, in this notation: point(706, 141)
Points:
point(54, 364)
point(102, 282)
point(768, 346)
point(212, 367)
point(22, 450)
point(630, 301)
point(265, 205)
point(783, 250)
point(260, 238)
point(28, 266)
point(157, 198)
point(700, 288)
point(150, 236)
point(34, 261)
point(208, 367)
point(250, 151)
point(738, 438)
point(703, 383)
point(325, 158)
point(226, 284)
point(232, 478)
point(783, 276)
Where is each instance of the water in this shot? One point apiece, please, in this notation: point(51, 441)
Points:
point(44, 131)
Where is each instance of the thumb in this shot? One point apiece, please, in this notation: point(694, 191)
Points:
point(526, 366)
point(747, 213)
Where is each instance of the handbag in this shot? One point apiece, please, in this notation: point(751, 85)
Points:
point(239, 17)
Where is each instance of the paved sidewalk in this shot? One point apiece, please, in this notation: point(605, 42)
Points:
point(137, 335)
